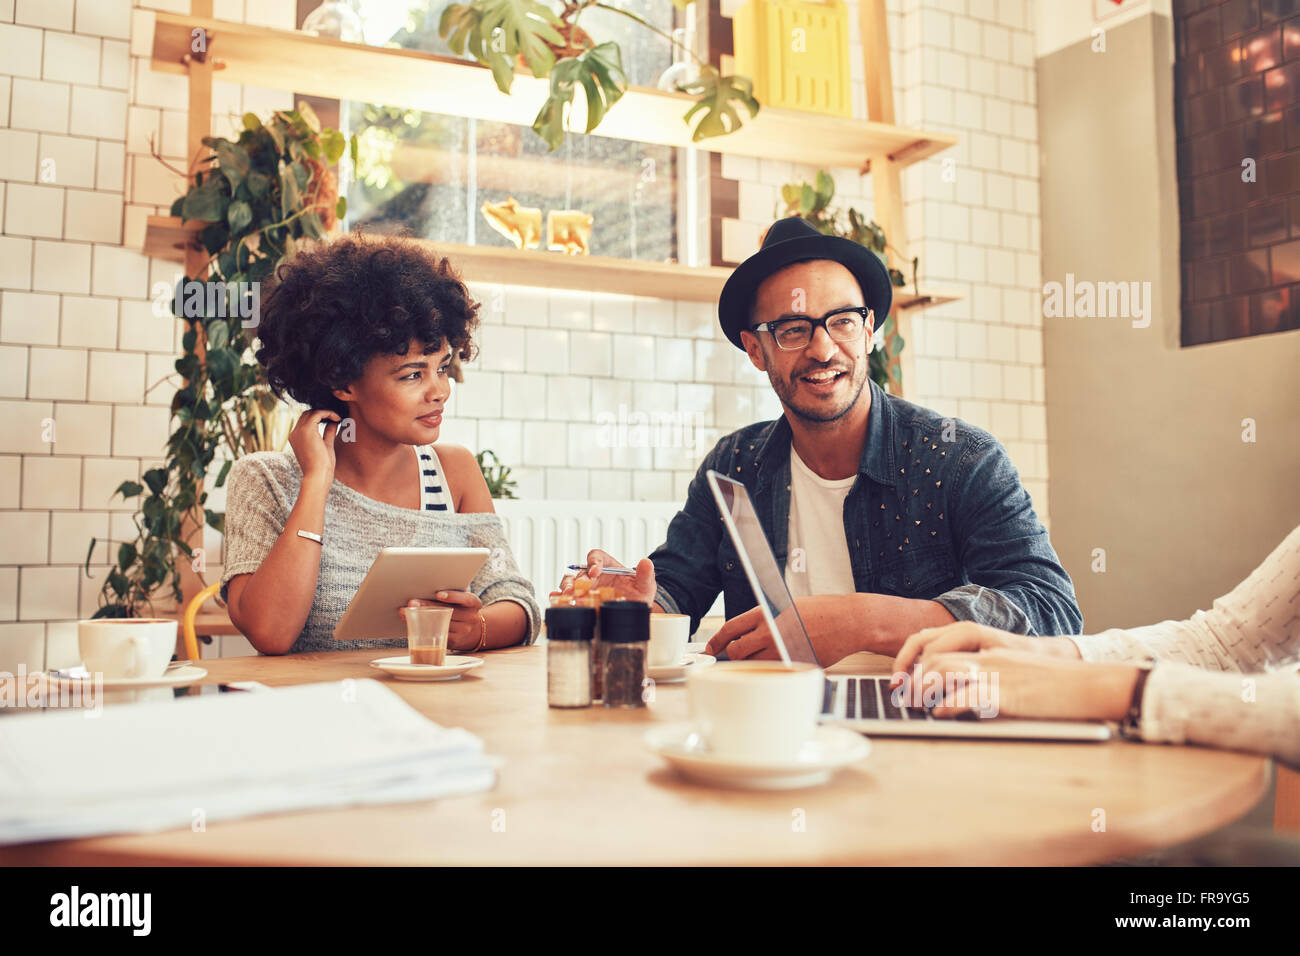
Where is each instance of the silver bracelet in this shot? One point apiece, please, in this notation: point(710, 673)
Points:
point(312, 537)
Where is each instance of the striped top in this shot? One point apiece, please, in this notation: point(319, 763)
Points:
point(434, 494)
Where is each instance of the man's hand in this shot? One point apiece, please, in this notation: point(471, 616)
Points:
point(466, 627)
point(828, 618)
point(639, 588)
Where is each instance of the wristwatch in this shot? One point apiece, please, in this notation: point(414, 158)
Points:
point(1131, 726)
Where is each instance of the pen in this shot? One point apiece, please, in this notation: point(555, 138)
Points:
point(627, 572)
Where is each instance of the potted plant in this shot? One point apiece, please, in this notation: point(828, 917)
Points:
point(811, 203)
point(502, 34)
point(255, 198)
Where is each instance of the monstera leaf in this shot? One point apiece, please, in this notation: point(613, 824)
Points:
point(717, 96)
point(600, 71)
point(494, 32)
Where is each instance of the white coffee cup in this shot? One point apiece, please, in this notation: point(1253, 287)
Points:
point(126, 647)
point(669, 634)
point(761, 711)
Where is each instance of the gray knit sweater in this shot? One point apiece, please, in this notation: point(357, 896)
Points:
point(261, 491)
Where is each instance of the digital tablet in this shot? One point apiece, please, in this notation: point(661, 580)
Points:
point(398, 575)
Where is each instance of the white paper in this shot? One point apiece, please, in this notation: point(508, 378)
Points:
point(153, 766)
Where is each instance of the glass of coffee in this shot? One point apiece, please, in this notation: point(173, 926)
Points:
point(426, 633)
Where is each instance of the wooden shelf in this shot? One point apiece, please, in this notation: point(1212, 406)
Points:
point(319, 66)
point(166, 237)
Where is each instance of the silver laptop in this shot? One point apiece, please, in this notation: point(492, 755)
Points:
point(865, 704)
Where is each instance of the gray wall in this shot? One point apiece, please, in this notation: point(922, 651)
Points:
point(1145, 451)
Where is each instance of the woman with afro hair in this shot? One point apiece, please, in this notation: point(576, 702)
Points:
point(363, 332)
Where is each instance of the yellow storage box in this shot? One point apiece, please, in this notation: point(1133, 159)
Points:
point(797, 53)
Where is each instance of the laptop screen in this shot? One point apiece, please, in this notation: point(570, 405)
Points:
point(760, 567)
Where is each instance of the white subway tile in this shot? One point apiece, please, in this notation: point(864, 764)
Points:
point(739, 239)
point(652, 486)
point(100, 478)
point(1002, 267)
point(986, 380)
point(1015, 230)
point(66, 161)
point(110, 167)
point(15, 263)
point(20, 50)
point(24, 537)
point(47, 594)
point(1029, 271)
point(1005, 421)
point(1033, 421)
point(22, 645)
point(34, 210)
point(983, 76)
point(11, 469)
point(99, 112)
point(634, 356)
point(83, 429)
point(165, 90)
point(61, 644)
point(1011, 82)
point(13, 371)
point(39, 105)
point(614, 314)
point(115, 66)
point(57, 373)
point(139, 432)
point(972, 342)
point(29, 318)
point(997, 42)
point(611, 485)
point(119, 272)
point(71, 59)
point(568, 484)
point(479, 396)
point(116, 377)
point(51, 482)
point(89, 322)
point(61, 267)
point(6, 87)
point(590, 354)
point(673, 360)
point(997, 116)
point(966, 35)
point(1016, 383)
point(18, 150)
point(742, 168)
point(1011, 13)
point(545, 443)
point(501, 349)
point(8, 597)
point(546, 351)
point(653, 316)
point(525, 397)
point(142, 125)
point(696, 320)
point(696, 403)
point(568, 397)
point(571, 309)
point(971, 265)
point(505, 438)
point(109, 18)
point(53, 14)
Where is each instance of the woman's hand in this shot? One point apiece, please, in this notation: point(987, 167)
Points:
point(466, 627)
point(639, 588)
point(969, 636)
point(1007, 683)
point(314, 451)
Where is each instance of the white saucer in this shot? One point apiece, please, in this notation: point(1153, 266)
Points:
point(403, 669)
point(179, 677)
point(676, 673)
point(829, 749)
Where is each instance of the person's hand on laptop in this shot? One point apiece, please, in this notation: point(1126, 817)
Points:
point(639, 588)
point(466, 627)
point(1018, 683)
point(746, 636)
point(922, 646)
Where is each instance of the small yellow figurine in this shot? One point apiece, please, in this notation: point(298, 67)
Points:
point(522, 225)
point(569, 231)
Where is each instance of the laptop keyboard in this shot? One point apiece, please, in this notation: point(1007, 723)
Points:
point(866, 698)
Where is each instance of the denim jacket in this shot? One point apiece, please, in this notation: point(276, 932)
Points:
point(937, 513)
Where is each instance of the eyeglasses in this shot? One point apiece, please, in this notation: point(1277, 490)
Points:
point(842, 325)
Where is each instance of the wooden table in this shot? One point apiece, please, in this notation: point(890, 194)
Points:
point(581, 787)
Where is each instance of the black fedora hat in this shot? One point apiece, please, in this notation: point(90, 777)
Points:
point(792, 240)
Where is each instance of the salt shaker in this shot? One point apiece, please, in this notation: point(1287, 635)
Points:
point(568, 656)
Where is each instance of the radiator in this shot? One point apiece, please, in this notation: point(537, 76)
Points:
point(546, 536)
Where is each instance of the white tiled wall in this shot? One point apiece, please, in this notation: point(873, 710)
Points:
point(79, 344)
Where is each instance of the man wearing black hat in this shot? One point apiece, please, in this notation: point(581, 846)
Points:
point(887, 517)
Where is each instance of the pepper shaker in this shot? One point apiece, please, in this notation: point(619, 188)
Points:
point(624, 638)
